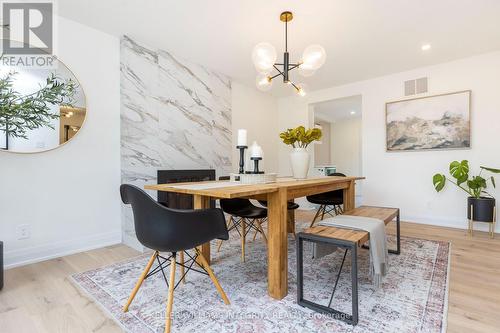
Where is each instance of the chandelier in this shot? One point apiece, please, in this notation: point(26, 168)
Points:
point(264, 58)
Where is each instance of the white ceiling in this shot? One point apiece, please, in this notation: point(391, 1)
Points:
point(338, 109)
point(362, 38)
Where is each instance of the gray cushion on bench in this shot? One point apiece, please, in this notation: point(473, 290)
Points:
point(378, 241)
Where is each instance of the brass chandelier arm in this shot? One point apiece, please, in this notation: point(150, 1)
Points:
point(264, 56)
point(293, 66)
point(280, 73)
point(293, 84)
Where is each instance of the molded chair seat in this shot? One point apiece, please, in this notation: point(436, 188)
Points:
point(290, 204)
point(328, 202)
point(325, 200)
point(242, 208)
point(244, 217)
point(164, 229)
point(252, 213)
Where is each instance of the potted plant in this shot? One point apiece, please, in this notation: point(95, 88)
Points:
point(482, 202)
point(299, 138)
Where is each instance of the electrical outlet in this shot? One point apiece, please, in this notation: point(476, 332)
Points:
point(23, 231)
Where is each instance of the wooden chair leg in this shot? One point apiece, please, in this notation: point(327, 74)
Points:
point(256, 230)
point(261, 230)
point(139, 282)
point(220, 245)
point(170, 301)
point(243, 231)
point(230, 223)
point(181, 259)
point(316, 216)
point(213, 278)
point(323, 214)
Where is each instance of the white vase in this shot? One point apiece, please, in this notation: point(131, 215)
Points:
point(299, 159)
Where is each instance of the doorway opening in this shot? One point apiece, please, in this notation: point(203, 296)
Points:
point(340, 147)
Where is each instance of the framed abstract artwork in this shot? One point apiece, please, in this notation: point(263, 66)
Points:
point(429, 123)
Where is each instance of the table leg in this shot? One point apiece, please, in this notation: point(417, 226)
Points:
point(277, 254)
point(291, 221)
point(398, 232)
point(349, 194)
point(200, 202)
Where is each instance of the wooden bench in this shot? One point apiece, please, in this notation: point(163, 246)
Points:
point(349, 239)
point(385, 214)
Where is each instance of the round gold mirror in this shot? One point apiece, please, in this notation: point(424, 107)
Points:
point(40, 108)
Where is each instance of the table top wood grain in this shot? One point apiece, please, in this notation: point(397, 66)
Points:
point(248, 190)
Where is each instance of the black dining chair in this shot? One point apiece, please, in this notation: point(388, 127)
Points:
point(328, 202)
point(243, 217)
point(169, 230)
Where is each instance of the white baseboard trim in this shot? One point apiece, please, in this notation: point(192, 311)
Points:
point(455, 223)
point(132, 242)
point(53, 250)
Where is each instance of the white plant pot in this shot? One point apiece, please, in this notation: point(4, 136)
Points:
point(299, 158)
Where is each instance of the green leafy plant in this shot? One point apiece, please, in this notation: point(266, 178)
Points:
point(20, 113)
point(474, 186)
point(299, 137)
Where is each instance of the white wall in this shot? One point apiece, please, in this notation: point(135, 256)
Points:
point(323, 151)
point(257, 113)
point(404, 179)
point(292, 112)
point(69, 196)
point(346, 145)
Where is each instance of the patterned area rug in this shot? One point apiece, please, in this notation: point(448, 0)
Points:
point(412, 298)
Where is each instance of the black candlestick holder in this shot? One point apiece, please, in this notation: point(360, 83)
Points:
point(242, 158)
point(256, 164)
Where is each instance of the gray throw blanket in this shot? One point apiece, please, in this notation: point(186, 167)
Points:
point(378, 241)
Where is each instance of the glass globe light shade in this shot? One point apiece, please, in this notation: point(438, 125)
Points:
point(263, 82)
point(314, 57)
point(263, 57)
point(306, 70)
point(302, 89)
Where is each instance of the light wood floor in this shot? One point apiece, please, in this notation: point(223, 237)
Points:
point(40, 297)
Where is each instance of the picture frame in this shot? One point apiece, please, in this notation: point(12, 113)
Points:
point(427, 123)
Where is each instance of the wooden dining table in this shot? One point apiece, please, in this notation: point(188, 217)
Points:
point(277, 195)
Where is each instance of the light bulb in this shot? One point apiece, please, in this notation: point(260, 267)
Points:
point(314, 57)
point(263, 57)
point(263, 82)
point(301, 89)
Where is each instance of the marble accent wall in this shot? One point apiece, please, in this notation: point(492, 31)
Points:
point(174, 115)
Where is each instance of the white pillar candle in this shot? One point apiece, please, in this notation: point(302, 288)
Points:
point(242, 137)
point(256, 150)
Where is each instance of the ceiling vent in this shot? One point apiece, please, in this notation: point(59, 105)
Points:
point(418, 86)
